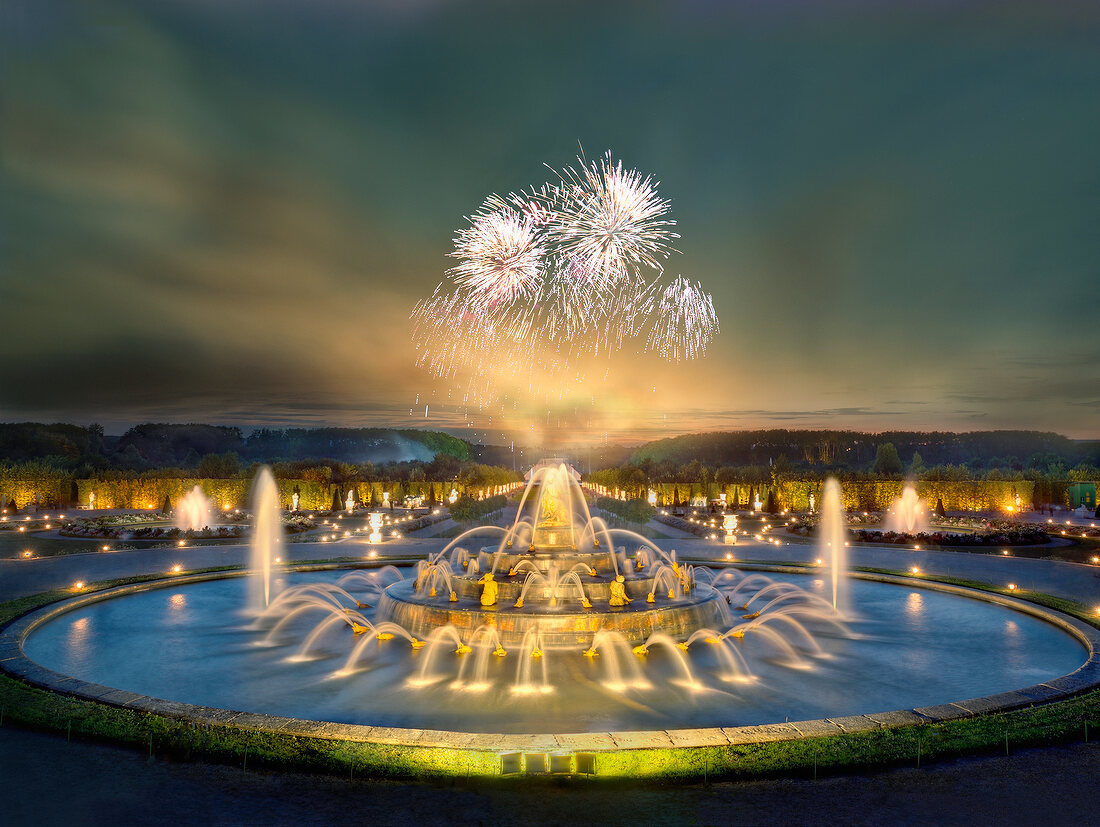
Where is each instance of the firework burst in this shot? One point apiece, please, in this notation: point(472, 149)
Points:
point(500, 255)
point(551, 277)
point(609, 218)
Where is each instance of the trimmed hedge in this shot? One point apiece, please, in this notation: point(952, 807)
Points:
point(859, 494)
point(633, 511)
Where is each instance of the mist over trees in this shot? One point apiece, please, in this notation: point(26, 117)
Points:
point(216, 450)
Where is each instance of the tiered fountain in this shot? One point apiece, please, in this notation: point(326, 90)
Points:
point(560, 581)
point(557, 572)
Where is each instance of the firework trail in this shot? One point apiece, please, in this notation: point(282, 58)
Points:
point(684, 321)
point(550, 277)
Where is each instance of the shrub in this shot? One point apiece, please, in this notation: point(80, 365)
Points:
point(633, 511)
point(467, 509)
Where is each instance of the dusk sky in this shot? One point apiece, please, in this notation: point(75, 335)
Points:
point(224, 210)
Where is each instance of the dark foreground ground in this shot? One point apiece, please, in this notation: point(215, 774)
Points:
point(48, 781)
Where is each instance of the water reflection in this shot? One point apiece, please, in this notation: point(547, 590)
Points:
point(914, 605)
point(915, 648)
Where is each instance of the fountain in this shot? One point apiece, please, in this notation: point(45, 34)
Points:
point(193, 511)
point(907, 515)
point(267, 533)
point(553, 623)
point(831, 540)
point(558, 572)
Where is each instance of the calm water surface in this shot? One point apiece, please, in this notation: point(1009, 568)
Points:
point(908, 648)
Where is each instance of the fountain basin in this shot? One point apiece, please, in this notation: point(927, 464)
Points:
point(563, 625)
point(169, 643)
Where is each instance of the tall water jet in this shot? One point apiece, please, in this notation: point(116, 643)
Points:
point(267, 530)
point(907, 514)
point(831, 540)
point(193, 511)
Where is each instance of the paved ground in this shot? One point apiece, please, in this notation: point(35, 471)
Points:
point(48, 781)
point(1074, 580)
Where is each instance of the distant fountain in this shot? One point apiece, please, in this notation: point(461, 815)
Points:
point(831, 540)
point(267, 531)
point(908, 514)
point(193, 511)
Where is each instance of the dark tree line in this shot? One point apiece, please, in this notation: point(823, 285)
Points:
point(856, 451)
point(215, 448)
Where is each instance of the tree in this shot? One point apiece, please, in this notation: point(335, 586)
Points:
point(887, 460)
point(771, 506)
point(917, 465)
point(940, 512)
point(219, 466)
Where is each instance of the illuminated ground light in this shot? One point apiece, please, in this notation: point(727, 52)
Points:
point(78, 585)
point(106, 548)
point(28, 553)
point(1012, 587)
point(176, 569)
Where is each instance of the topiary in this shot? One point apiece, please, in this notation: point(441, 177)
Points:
point(771, 507)
point(166, 506)
point(939, 507)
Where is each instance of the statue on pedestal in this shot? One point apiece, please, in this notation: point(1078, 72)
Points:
point(618, 592)
point(489, 593)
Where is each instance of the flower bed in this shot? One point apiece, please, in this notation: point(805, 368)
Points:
point(111, 528)
point(1024, 537)
point(699, 529)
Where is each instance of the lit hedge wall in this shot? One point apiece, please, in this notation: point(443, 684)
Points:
point(22, 485)
point(877, 495)
point(861, 495)
point(150, 492)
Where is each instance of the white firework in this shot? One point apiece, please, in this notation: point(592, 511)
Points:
point(683, 322)
point(500, 255)
point(610, 218)
point(550, 278)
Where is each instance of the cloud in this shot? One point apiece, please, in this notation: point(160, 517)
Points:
point(226, 211)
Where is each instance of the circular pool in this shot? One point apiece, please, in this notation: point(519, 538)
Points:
point(902, 647)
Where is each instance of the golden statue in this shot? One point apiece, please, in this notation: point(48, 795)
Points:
point(489, 593)
point(618, 592)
